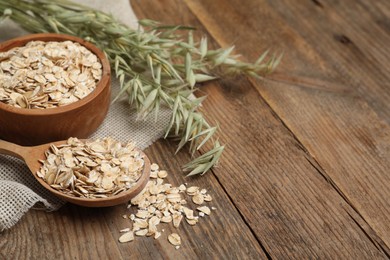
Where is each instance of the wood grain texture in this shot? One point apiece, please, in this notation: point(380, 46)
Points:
point(338, 125)
point(354, 44)
point(294, 207)
point(304, 174)
point(333, 119)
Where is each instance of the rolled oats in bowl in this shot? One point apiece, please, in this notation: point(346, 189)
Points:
point(47, 74)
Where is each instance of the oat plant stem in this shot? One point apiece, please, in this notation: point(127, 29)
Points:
point(156, 66)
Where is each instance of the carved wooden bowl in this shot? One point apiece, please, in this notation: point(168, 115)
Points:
point(79, 119)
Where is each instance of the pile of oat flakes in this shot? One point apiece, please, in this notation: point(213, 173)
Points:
point(93, 168)
point(160, 203)
point(47, 74)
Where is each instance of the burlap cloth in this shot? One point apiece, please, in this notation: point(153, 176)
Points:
point(19, 191)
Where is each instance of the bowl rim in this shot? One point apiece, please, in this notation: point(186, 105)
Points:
point(46, 37)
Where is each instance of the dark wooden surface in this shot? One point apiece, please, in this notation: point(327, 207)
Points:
point(306, 172)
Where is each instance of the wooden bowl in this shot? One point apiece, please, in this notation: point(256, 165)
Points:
point(79, 119)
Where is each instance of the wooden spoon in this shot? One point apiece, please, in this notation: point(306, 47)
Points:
point(31, 155)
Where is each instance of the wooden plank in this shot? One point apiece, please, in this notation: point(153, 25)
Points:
point(70, 233)
point(354, 42)
point(339, 129)
point(87, 233)
point(293, 210)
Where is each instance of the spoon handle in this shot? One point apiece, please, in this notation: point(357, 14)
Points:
point(12, 149)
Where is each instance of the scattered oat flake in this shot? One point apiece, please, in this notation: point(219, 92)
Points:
point(152, 230)
point(174, 197)
point(162, 174)
point(157, 235)
point(198, 199)
point(141, 232)
point(174, 239)
point(176, 220)
point(182, 187)
point(153, 174)
point(188, 212)
point(127, 237)
point(192, 190)
point(154, 167)
point(124, 230)
point(207, 198)
point(142, 214)
point(192, 222)
point(154, 221)
point(206, 210)
point(141, 223)
point(166, 219)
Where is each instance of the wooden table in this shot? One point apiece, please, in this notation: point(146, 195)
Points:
point(306, 172)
